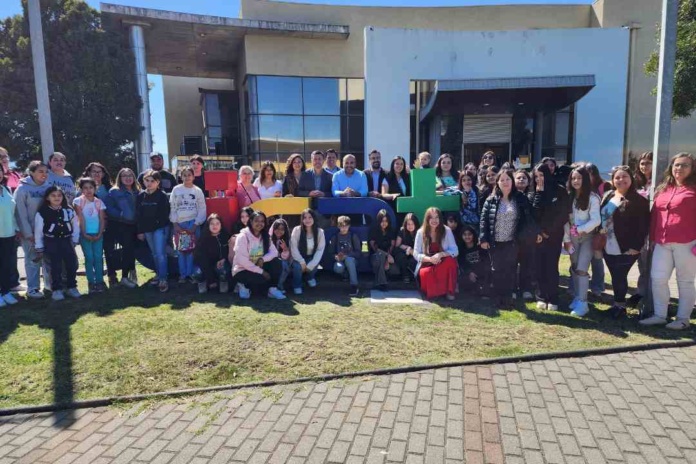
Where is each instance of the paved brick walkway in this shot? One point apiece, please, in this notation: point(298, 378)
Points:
point(634, 407)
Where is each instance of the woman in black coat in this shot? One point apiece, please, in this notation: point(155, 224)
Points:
point(506, 218)
point(551, 209)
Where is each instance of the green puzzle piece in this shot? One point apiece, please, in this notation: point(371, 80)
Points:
point(424, 195)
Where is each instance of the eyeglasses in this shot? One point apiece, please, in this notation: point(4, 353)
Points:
point(623, 167)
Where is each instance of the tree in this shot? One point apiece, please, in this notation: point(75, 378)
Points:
point(91, 84)
point(684, 102)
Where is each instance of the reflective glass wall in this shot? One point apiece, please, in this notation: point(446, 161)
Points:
point(299, 115)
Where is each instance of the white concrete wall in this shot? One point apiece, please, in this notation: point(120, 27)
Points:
point(393, 57)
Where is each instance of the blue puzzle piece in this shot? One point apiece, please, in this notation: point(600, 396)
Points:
point(367, 206)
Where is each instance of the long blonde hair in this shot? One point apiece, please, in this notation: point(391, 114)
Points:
point(439, 230)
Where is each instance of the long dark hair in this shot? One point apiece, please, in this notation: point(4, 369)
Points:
point(54, 188)
point(206, 230)
point(638, 176)
point(376, 228)
point(439, 231)
point(581, 199)
point(438, 167)
point(106, 177)
point(529, 187)
point(595, 177)
point(286, 235)
point(262, 173)
point(504, 172)
point(391, 175)
point(264, 233)
point(303, 231)
point(668, 179)
point(239, 225)
point(416, 224)
point(549, 181)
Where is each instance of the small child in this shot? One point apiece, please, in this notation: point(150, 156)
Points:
point(346, 248)
point(91, 214)
point(187, 204)
point(280, 237)
point(152, 219)
point(474, 263)
point(211, 256)
point(57, 231)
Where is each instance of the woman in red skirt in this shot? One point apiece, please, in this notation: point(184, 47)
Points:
point(436, 251)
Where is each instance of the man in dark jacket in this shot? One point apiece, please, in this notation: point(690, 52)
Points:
point(315, 182)
point(157, 164)
point(375, 175)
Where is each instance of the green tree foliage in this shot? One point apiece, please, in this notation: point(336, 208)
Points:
point(684, 101)
point(94, 100)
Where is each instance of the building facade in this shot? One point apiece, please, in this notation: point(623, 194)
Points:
point(526, 81)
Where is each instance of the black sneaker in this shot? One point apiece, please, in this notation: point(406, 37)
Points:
point(634, 300)
point(383, 288)
point(617, 312)
point(354, 290)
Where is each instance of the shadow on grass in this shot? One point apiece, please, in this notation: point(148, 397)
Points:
point(58, 317)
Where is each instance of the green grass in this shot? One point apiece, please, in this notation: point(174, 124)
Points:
point(138, 341)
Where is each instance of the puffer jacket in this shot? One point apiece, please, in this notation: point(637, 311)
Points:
point(489, 213)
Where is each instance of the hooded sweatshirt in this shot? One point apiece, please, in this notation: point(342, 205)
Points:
point(29, 197)
point(247, 251)
point(8, 223)
point(65, 182)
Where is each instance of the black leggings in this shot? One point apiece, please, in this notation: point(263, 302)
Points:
point(8, 264)
point(255, 282)
point(504, 268)
point(548, 254)
point(619, 266)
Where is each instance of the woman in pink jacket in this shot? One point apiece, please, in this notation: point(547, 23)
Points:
point(256, 266)
point(673, 232)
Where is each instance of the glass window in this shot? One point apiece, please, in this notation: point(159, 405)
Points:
point(322, 133)
point(281, 133)
point(356, 133)
point(251, 103)
point(356, 96)
point(214, 131)
point(279, 95)
point(253, 132)
point(212, 110)
point(321, 96)
point(562, 128)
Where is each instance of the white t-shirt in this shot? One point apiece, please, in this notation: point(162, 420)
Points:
point(268, 192)
point(90, 212)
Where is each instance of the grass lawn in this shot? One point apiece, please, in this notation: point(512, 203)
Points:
point(137, 341)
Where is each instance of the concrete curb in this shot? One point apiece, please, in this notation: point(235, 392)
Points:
point(101, 402)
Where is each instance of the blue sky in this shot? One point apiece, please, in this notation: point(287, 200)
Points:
point(231, 8)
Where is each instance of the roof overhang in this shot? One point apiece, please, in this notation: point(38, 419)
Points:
point(191, 45)
point(507, 95)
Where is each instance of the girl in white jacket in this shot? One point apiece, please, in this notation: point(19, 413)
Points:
point(307, 245)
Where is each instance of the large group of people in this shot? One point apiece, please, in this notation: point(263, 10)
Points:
point(504, 242)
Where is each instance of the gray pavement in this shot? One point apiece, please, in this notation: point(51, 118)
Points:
point(636, 407)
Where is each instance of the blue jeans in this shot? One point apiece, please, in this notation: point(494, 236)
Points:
point(348, 264)
point(186, 266)
point(297, 274)
point(284, 273)
point(94, 260)
point(33, 268)
point(597, 276)
point(157, 241)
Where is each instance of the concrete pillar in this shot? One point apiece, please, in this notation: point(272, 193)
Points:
point(38, 58)
point(143, 146)
point(538, 136)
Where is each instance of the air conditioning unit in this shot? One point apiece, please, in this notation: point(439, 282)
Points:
point(193, 145)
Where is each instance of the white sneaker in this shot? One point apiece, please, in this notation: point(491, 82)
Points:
point(541, 305)
point(224, 286)
point(202, 287)
point(312, 283)
point(297, 291)
point(514, 295)
point(236, 287)
point(244, 293)
point(126, 282)
point(35, 294)
point(18, 288)
point(552, 307)
point(527, 296)
point(9, 299)
point(57, 296)
point(678, 324)
point(653, 320)
point(74, 293)
point(581, 309)
point(273, 292)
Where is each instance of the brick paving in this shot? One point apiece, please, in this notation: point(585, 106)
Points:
point(637, 407)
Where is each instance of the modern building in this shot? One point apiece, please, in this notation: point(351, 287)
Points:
point(526, 81)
